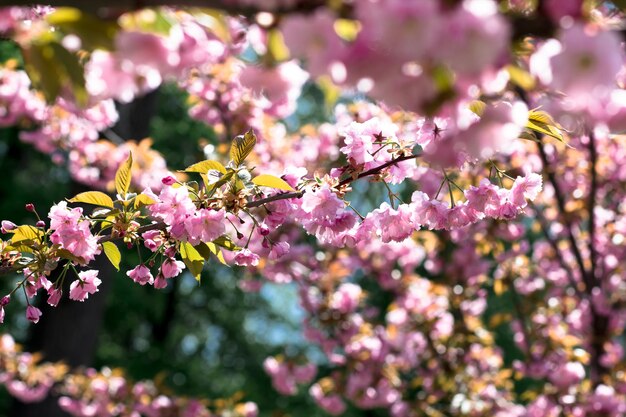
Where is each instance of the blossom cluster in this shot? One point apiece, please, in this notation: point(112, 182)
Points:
point(99, 393)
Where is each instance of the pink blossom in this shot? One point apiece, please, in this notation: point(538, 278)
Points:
point(333, 404)
point(153, 239)
point(568, 374)
point(33, 314)
point(87, 283)
point(304, 373)
point(8, 226)
point(472, 25)
point(279, 86)
point(279, 249)
point(54, 296)
point(245, 257)
point(313, 38)
point(588, 62)
point(347, 298)
point(524, 188)
point(173, 205)
point(205, 225)
point(25, 393)
point(141, 274)
point(171, 268)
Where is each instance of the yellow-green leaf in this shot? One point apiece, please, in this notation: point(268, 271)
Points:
point(217, 252)
point(113, 253)
point(347, 29)
point(192, 258)
point(204, 167)
point(143, 200)
point(477, 107)
point(521, 78)
point(94, 33)
point(225, 242)
point(266, 180)
point(242, 146)
point(276, 47)
point(123, 177)
point(542, 122)
point(26, 232)
point(96, 198)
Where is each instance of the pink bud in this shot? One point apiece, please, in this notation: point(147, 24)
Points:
point(5, 300)
point(8, 226)
point(30, 207)
point(41, 224)
point(54, 296)
point(264, 230)
point(169, 180)
point(33, 314)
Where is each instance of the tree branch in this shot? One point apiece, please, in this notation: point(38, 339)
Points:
point(378, 169)
point(111, 8)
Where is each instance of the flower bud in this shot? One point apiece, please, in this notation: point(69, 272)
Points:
point(41, 224)
point(5, 300)
point(33, 314)
point(7, 226)
point(30, 207)
point(169, 180)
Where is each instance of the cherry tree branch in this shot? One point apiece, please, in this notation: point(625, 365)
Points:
point(110, 8)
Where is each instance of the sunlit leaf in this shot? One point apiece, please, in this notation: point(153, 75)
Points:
point(94, 33)
point(192, 258)
point(227, 243)
point(347, 29)
point(542, 122)
point(112, 252)
point(242, 146)
point(521, 77)
point(204, 167)
point(266, 180)
point(96, 198)
point(26, 232)
point(276, 47)
point(143, 200)
point(477, 107)
point(123, 176)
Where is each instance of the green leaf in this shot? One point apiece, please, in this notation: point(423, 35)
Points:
point(113, 253)
point(143, 200)
point(542, 122)
point(208, 249)
point(74, 72)
point(266, 180)
point(217, 252)
point(242, 146)
point(43, 70)
point(93, 32)
point(96, 198)
point(192, 258)
point(26, 232)
point(276, 47)
point(477, 107)
point(521, 78)
point(226, 243)
point(123, 177)
point(347, 29)
point(65, 254)
point(204, 167)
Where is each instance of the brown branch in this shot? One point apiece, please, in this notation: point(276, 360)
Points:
point(378, 169)
point(283, 196)
point(560, 202)
point(112, 8)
